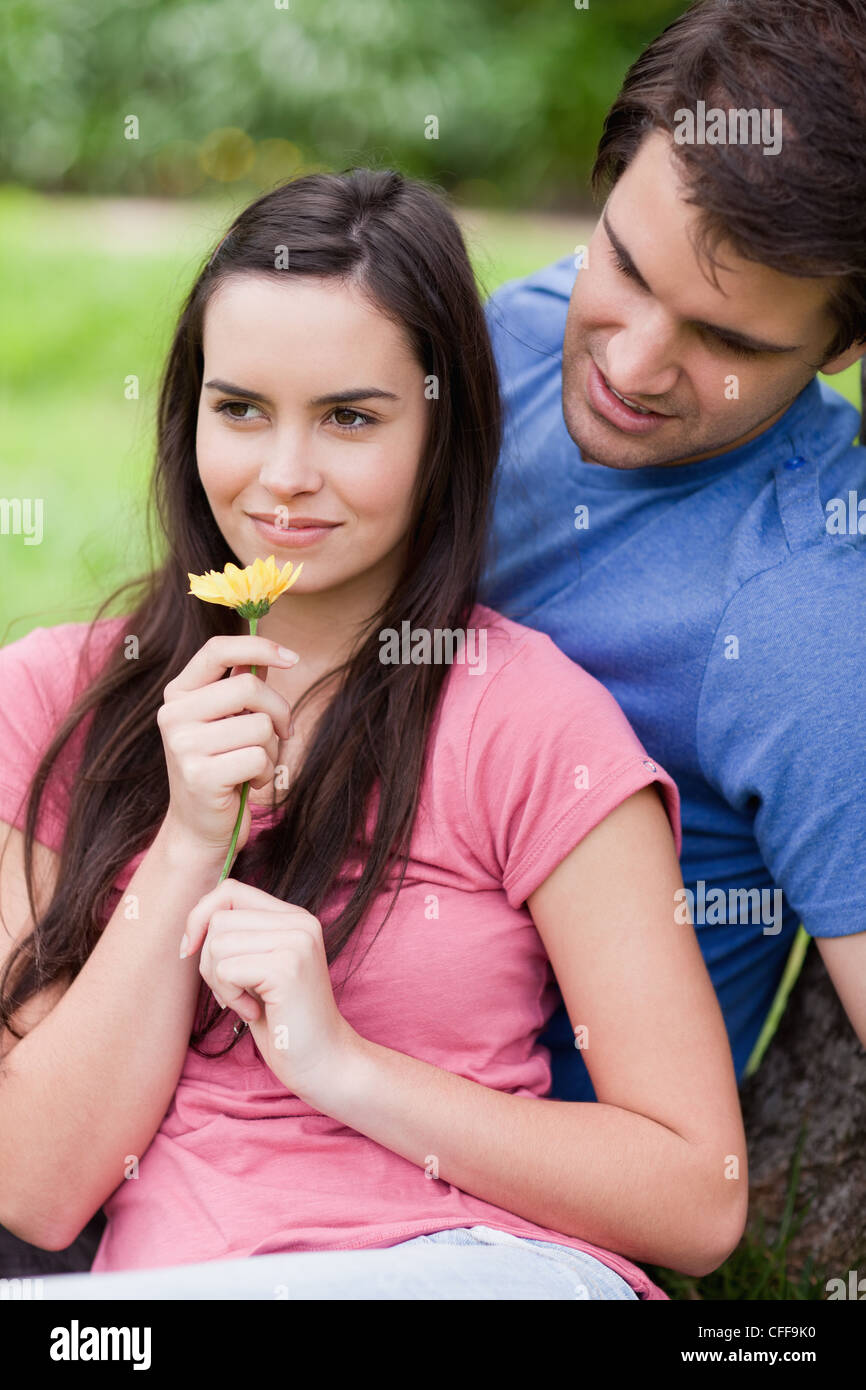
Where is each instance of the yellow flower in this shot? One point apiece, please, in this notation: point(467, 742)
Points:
point(250, 591)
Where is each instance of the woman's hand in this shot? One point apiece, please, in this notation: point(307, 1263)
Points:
point(219, 733)
point(265, 959)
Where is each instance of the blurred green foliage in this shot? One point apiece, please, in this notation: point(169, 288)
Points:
point(244, 92)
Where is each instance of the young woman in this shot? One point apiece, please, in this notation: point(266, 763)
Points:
point(426, 842)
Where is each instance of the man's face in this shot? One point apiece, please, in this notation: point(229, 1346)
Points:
point(714, 366)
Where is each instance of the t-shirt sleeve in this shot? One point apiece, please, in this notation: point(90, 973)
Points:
point(36, 689)
point(550, 754)
point(782, 730)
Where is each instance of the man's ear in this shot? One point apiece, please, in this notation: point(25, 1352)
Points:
point(844, 359)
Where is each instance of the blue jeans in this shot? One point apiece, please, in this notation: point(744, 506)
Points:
point(467, 1262)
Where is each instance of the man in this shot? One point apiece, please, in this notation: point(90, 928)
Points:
point(680, 504)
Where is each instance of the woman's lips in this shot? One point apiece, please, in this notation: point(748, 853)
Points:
point(616, 412)
point(292, 537)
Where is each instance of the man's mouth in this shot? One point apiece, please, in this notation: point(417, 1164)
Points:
point(617, 409)
point(632, 405)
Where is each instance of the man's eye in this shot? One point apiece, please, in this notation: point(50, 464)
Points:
point(622, 265)
point(735, 349)
point(715, 339)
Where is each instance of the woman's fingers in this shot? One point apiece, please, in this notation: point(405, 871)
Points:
point(223, 945)
point(226, 953)
point(219, 654)
point(243, 901)
point(239, 1001)
point(227, 700)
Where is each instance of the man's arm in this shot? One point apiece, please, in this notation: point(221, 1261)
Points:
point(845, 959)
point(771, 724)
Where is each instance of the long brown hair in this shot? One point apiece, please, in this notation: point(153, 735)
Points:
point(800, 211)
point(397, 240)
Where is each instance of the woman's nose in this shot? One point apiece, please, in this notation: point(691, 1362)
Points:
point(291, 466)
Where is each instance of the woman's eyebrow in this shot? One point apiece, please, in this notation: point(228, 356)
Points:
point(356, 393)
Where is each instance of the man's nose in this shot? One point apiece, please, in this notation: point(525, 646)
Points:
point(641, 358)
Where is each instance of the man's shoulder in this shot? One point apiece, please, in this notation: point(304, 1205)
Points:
point(788, 625)
point(530, 311)
point(818, 493)
point(790, 517)
point(812, 585)
point(841, 462)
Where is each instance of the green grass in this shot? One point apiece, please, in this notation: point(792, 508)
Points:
point(84, 315)
point(793, 966)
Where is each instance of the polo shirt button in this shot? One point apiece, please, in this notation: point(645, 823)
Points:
point(652, 767)
point(796, 462)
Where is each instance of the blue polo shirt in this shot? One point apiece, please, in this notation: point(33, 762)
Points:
point(723, 604)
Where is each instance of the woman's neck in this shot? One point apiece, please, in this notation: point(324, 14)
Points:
point(325, 627)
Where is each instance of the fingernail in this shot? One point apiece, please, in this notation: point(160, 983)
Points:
point(184, 946)
point(288, 655)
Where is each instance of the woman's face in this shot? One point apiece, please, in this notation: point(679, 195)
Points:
point(312, 406)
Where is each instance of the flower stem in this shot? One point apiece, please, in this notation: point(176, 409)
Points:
point(244, 789)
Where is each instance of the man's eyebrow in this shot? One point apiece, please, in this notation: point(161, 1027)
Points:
point(623, 254)
point(730, 334)
point(357, 393)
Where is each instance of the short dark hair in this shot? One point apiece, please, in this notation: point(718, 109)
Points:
point(801, 211)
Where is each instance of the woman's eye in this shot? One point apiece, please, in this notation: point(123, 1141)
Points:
point(352, 419)
point(226, 407)
point(358, 415)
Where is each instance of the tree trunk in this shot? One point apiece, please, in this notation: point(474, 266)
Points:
point(813, 1073)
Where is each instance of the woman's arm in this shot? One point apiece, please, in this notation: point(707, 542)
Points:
point(94, 1075)
point(656, 1169)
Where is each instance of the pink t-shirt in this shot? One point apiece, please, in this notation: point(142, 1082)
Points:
point(529, 752)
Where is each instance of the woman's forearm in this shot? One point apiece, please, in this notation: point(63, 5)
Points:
point(88, 1086)
point(609, 1176)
